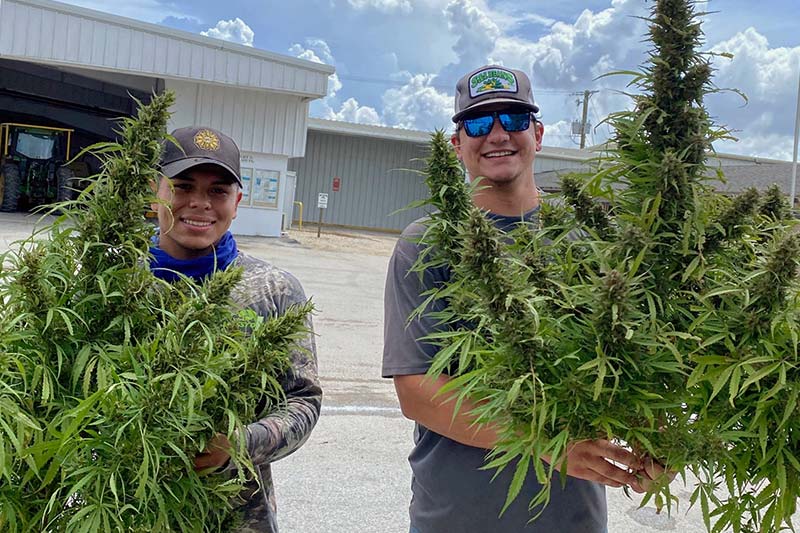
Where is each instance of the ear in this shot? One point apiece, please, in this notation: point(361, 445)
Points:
point(538, 133)
point(236, 207)
point(155, 186)
point(455, 140)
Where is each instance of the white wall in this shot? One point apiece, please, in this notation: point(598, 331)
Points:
point(259, 121)
point(255, 219)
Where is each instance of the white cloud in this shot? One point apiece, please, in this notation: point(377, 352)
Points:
point(513, 15)
point(533, 18)
point(384, 6)
point(235, 31)
point(768, 77)
point(566, 56)
point(476, 35)
point(571, 56)
point(763, 73)
point(304, 53)
point(318, 48)
point(350, 110)
point(418, 105)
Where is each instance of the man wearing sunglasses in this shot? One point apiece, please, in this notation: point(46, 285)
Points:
point(497, 137)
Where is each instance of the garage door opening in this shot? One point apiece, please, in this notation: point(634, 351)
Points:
point(48, 115)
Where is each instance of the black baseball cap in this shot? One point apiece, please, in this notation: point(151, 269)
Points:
point(201, 146)
point(493, 84)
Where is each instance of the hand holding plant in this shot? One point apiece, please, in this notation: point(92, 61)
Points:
point(215, 455)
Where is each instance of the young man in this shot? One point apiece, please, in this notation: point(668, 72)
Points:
point(497, 137)
point(201, 190)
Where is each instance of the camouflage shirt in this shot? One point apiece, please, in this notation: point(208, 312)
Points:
point(269, 291)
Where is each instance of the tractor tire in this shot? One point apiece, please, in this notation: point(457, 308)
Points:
point(11, 188)
point(64, 184)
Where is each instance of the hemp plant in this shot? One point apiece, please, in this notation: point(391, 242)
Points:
point(111, 380)
point(647, 308)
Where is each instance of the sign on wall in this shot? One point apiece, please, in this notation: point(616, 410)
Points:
point(247, 184)
point(265, 188)
point(265, 191)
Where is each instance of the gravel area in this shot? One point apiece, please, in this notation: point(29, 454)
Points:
point(347, 241)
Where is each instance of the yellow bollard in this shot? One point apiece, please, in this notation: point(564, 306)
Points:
point(301, 213)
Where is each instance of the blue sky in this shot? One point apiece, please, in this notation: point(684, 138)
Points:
point(397, 60)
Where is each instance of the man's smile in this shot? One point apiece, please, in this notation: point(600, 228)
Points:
point(198, 223)
point(499, 153)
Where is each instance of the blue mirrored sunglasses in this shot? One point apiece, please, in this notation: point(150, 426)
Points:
point(482, 125)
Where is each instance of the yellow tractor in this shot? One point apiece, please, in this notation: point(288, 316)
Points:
point(32, 166)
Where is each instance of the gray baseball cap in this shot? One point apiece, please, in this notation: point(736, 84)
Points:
point(493, 84)
point(200, 146)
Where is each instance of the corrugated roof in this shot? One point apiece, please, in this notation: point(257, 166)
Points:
point(368, 130)
point(737, 177)
point(725, 158)
point(45, 31)
point(761, 176)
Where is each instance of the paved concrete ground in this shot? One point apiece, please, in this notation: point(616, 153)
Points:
point(352, 475)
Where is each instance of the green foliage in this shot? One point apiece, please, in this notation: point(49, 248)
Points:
point(111, 381)
point(670, 323)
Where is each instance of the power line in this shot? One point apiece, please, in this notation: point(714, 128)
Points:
point(599, 118)
point(446, 87)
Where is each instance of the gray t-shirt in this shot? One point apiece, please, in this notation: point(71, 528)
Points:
point(450, 491)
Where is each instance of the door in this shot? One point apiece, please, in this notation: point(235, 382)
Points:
point(288, 199)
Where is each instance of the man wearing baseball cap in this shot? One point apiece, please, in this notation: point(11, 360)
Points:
point(199, 194)
point(496, 138)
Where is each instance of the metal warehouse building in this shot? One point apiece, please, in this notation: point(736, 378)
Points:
point(376, 172)
point(70, 68)
point(370, 173)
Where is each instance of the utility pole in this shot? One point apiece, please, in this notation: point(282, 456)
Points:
point(585, 116)
point(796, 136)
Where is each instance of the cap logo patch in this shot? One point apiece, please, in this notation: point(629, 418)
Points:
point(206, 140)
point(492, 80)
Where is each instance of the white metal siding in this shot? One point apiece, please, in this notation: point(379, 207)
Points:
point(36, 30)
point(267, 123)
point(544, 163)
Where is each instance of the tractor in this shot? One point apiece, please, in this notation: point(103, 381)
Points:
point(32, 166)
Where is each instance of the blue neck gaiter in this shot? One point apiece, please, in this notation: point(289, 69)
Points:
point(166, 267)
